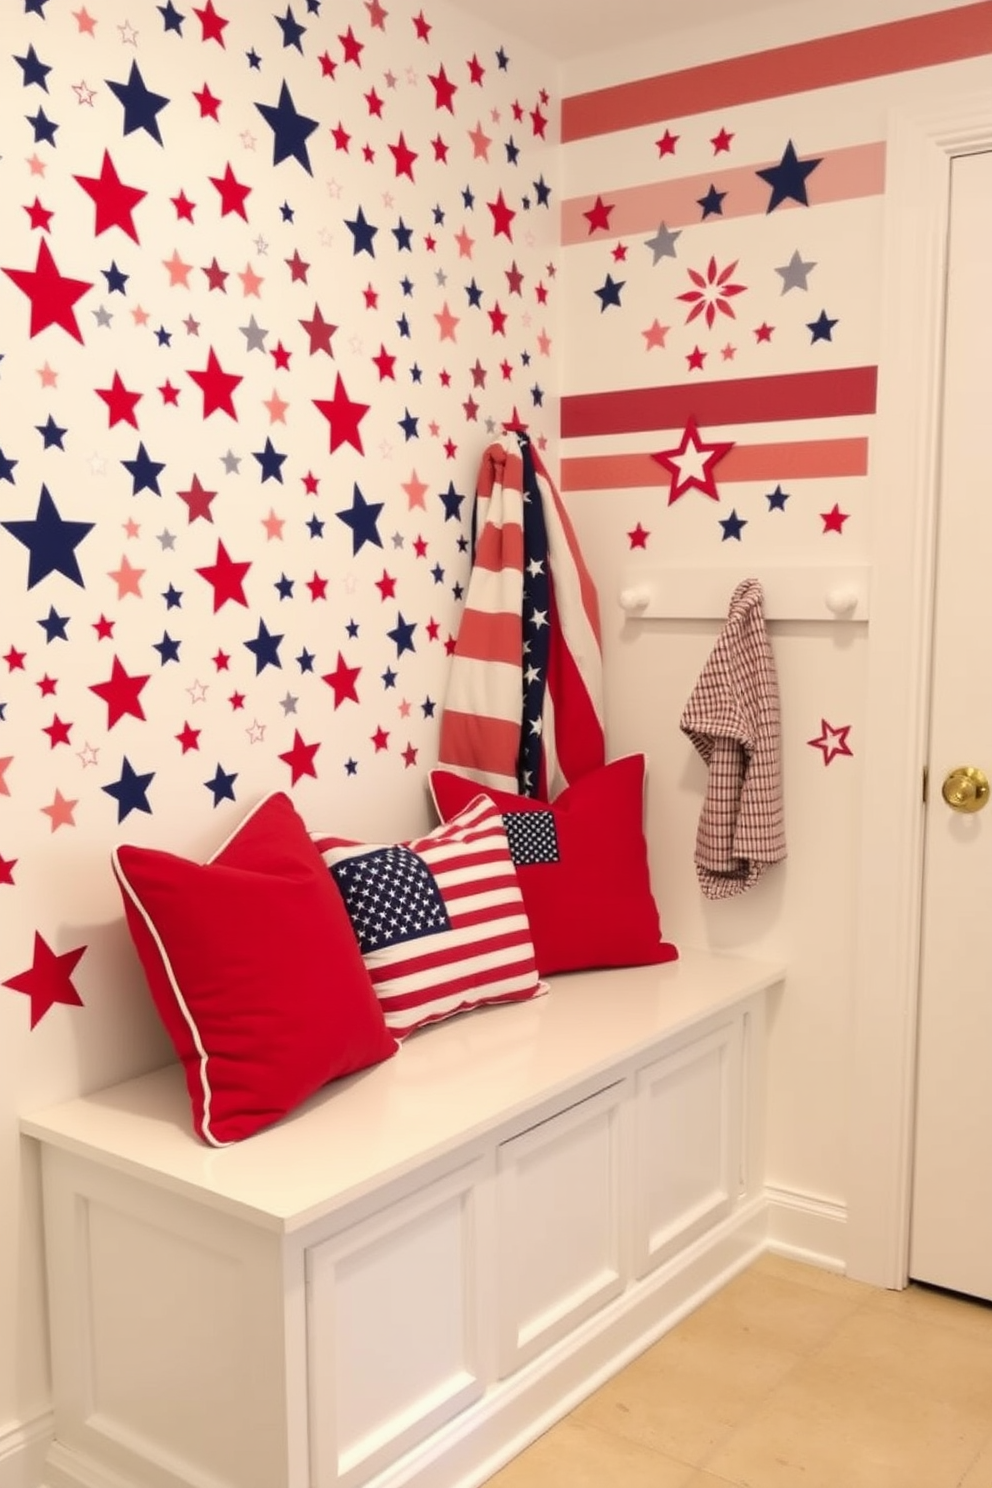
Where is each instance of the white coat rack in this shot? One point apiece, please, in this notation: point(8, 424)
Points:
point(791, 593)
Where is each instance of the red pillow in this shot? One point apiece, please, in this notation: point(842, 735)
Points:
point(254, 969)
point(582, 862)
point(440, 920)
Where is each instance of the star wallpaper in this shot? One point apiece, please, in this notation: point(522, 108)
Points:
point(270, 281)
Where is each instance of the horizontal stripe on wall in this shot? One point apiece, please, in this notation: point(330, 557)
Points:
point(842, 175)
point(813, 459)
point(749, 400)
point(850, 57)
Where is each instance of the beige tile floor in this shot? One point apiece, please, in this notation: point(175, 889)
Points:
point(790, 1377)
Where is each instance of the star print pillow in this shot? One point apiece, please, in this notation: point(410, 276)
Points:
point(440, 921)
point(582, 862)
point(253, 968)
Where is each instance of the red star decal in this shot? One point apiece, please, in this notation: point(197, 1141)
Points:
point(377, 16)
point(114, 201)
point(380, 739)
point(47, 685)
point(497, 319)
point(104, 628)
point(15, 659)
point(317, 586)
point(691, 464)
point(403, 156)
point(386, 585)
point(352, 47)
point(121, 693)
point(320, 332)
point(409, 756)
point(39, 216)
point(300, 758)
point(639, 537)
point(7, 866)
point(52, 295)
point(598, 216)
point(221, 661)
point(440, 149)
point(198, 501)
point(216, 385)
point(120, 403)
point(48, 980)
point(832, 741)
point(721, 142)
point(834, 519)
point(538, 123)
point(422, 27)
point(189, 738)
point(444, 89)
point(476, 71)
point(216, 276)
point(232, 194)
point(385, 362)
point(227, 578)
point(502, 217)
point(763, 332)
point(184, 207)
point(344, 681)
point(344, 417)
point(297, 267)
point(328, 67)
point(666, 145)
point(211, 24)
point(208, 104)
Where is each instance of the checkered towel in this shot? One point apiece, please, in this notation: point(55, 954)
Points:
point(733, 720)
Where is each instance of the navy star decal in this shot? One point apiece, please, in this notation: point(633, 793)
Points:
point(290, 130)
point(362, 517)
point(141, 106)
point(788, 178)
point(51, 541)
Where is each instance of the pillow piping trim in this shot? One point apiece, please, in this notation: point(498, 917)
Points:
point(205, 1087)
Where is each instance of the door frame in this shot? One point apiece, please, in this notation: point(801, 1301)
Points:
point(905, 457)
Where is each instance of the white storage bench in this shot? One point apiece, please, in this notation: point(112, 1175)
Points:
point(410, 1278)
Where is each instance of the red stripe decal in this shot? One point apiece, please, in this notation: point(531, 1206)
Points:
point(852, 56)
point(750, 400)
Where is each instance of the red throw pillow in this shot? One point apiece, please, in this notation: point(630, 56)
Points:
point(254, 969)
point(440, 920)
point(582, 862)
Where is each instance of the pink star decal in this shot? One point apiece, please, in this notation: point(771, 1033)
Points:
point(60, 812)
point(48, 980)
point(691, 463)
point(832, 741)
point(5, 763)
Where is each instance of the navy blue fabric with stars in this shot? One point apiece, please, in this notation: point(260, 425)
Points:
point(537, 626)
point(391, 896)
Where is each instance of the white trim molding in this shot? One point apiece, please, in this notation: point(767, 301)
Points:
point(905, 456)
point(23, 1445)
point(806, 1229)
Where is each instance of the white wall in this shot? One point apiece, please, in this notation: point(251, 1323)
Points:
point(55, 878)
point(809, 910)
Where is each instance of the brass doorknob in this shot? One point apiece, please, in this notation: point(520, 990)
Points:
point(966, 789)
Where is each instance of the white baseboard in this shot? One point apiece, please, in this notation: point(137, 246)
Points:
point(23, 1445)
point(807, 1229)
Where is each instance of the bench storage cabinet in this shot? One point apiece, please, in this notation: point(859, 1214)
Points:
point(412, 1276)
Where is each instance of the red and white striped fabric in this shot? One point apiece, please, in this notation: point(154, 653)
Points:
point(498, 701)
point(440, 920)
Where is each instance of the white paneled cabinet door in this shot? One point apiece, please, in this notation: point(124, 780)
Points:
point(951, 1227)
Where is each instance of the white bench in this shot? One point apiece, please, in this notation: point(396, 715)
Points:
point(410, 1278)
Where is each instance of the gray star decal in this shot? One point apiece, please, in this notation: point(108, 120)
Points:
point(662, 245)
point(795, 273)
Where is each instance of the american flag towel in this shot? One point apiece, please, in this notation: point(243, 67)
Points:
point(524, 706)
point(732, 718)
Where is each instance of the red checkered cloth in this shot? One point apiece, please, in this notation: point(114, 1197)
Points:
point(733, 719)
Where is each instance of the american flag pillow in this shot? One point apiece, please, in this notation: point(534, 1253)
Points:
point(440, 920)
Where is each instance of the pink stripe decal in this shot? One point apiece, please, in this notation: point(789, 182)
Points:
point(812, 459)
point(849, 57)
point(842, 175)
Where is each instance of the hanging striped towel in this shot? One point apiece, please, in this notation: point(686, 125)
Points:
point(732, 718)
point(524, 706)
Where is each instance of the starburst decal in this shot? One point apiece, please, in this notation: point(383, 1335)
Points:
point(712, 292)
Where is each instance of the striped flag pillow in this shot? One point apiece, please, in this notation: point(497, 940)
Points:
point(440, 920)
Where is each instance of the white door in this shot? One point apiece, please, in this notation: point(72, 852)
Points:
point(951, 1224)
